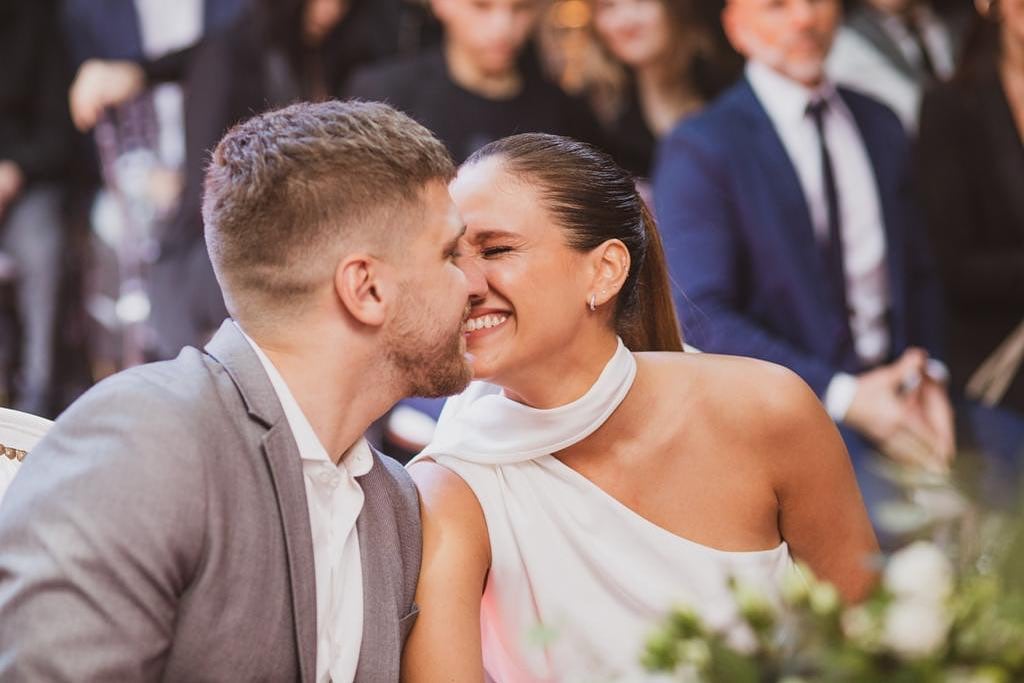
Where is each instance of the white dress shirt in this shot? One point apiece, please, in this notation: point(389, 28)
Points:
point(861, 223)
point(854, 61)
point(934, 35)
point(335, 500)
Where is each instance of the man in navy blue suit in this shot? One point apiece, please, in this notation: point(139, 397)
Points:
point(788, 223)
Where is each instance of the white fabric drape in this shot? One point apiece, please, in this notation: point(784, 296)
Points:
point(577, 579)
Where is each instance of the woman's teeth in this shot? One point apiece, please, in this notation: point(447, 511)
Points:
point(484, 321)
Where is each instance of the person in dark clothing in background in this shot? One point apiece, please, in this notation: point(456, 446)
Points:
point(482, 84)
point(274, 53)
point(971, 175)
point(35, 136)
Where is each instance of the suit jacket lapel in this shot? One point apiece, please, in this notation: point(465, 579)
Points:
point(285, 465)
point(233, 352)
point(787, 195)
point(381, 563)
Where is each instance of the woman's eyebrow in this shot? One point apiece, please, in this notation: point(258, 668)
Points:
point(485, 235)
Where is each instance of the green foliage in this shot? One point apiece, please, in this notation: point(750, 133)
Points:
point(948, 610)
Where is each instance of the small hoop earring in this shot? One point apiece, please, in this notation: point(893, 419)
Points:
point(593, 302)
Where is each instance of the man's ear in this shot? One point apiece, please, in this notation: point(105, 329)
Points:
point(439, 9)
point(611, 268)
point(731, 26)
point(364, 288)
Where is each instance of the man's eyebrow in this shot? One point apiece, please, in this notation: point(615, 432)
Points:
point(485, 235)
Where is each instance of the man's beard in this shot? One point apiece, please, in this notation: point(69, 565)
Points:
point(432, 365)
point(774, 57)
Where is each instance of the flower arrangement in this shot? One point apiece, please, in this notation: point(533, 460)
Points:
point(949, 609)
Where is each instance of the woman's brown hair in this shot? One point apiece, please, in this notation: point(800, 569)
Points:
point(700, 61)
point(595, 201)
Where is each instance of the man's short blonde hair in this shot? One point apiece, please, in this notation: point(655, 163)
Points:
point(287, 190)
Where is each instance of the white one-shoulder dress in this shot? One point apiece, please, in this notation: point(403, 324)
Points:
point(577, 581)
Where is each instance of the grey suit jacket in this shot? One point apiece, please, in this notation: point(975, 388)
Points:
point(160, 532)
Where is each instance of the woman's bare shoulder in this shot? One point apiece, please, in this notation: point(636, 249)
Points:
point(448, 504)
point(762, 399)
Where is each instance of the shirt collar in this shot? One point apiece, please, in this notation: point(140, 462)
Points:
point(784, 99)
point(896, 25)
point(357, 459)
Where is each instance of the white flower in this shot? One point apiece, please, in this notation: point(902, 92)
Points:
point(915, 629)
point(694, 652)
point(753, 603)
point(824, 598)
point(860, 628)
point(795, 586)
point(921, 572)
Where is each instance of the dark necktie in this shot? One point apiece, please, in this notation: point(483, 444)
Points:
point(832, 247)
point(914, 29)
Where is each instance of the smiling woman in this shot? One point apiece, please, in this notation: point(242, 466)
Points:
point(606, 253)
point(597, 475)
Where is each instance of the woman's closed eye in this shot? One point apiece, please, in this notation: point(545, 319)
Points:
point(492, 252)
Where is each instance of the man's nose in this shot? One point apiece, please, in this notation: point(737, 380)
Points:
point(802, 13)
point(501, 22)
point(475, 278)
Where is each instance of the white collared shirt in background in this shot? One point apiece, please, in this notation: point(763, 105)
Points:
point(934, 34)
point(854, 61)
point(335, 500)
point(861, 222)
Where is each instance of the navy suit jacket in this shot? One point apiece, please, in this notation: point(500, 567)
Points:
point(741, 247)
point(109, 29)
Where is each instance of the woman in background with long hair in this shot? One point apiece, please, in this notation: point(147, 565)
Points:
point(650, 63)
point(971, 176)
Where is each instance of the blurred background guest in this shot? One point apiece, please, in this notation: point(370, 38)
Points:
point(483, 83)
point(157, 112)
point(652, 63)
point(312, 46)
point(971, 177)
point(35, 139)
point(893, 50)
point(789, 223)
point(264, 54)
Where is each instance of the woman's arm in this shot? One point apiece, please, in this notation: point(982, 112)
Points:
point(445, 644)
point(821, 514)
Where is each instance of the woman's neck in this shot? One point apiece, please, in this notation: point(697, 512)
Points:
point(468, 75)
point(560, 379)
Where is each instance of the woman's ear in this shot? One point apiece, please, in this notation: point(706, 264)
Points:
point(611, 268)
point(363, 288)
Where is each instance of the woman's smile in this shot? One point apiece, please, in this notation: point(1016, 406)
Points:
point(482, 323)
